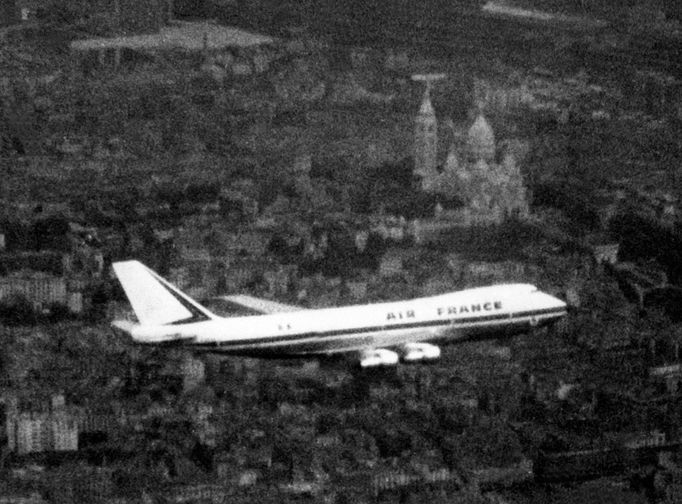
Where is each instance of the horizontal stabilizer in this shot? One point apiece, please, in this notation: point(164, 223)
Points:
point(124, 325)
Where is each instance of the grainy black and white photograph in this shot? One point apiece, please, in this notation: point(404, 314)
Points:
point(340, 251)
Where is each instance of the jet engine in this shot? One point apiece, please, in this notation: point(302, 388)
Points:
point(415, 352)
point(378, 357)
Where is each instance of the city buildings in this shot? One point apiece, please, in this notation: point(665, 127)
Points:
point(40, 289)
point(40, 431)
point(474, 178)
point(9, 12)
point(56, 265)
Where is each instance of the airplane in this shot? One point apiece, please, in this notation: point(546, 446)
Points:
point(380, 334)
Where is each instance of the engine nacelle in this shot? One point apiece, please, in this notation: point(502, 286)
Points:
point(415, 352)
point(378, 357)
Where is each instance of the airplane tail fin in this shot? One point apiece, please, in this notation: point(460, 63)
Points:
point(154, 300)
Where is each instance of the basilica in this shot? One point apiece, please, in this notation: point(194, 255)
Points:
point(484, 182)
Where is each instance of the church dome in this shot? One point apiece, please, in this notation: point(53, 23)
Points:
point(481, 140)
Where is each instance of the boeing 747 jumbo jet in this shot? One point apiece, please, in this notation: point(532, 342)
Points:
point(379, 334)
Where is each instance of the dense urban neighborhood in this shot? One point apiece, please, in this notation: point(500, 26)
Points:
point(326, 155)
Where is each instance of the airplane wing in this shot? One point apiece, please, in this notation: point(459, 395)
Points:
point(263, 306)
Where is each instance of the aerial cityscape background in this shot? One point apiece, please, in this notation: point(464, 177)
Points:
point(325, 153)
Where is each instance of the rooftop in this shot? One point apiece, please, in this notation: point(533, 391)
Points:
point(181, 34)
point(504, 8)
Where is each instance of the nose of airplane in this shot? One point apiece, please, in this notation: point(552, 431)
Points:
point(554, 303)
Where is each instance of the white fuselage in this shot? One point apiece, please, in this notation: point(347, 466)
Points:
point(495, 311)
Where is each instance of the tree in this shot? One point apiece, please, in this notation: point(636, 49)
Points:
point(495, 445)
point(86, 15)
point(293, 446)
point(452, 419)
point(16, 310)
point(7, 340)
point(162, 446)
point(51, 233)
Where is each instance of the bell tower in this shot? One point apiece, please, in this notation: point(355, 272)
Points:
point(426, 134)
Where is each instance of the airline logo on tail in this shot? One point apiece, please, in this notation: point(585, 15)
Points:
point(155, 301)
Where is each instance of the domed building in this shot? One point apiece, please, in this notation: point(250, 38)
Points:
point(480, 141)
point(490, 191)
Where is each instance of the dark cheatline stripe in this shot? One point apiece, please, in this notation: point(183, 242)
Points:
point(197, 315)
point(393, 327)
point(546, 311)
point(345, 332)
